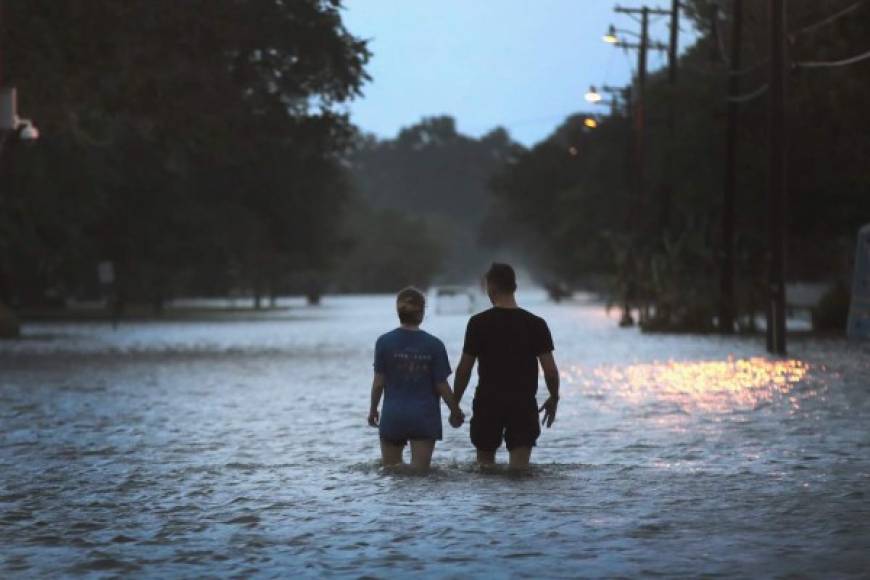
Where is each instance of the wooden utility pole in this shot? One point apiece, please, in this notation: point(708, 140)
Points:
point(638, 210)
point(667, 190)
point(726, 281)
point(642, 48)
point(776, 195)
point(640, 110)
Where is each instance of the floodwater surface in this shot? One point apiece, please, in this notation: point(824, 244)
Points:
point(240, 447)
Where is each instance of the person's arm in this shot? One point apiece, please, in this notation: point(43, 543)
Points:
point(551, 376)
point(456, 415)
point(377, 391)
point(463, 375)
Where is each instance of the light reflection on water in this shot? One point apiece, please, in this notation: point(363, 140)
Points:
point(239, 447)
point(692, 386)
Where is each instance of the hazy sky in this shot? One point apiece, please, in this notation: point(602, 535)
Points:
point(521, 64)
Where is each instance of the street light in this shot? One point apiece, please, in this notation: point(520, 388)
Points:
point(612, 36)
point(592, 95)
point(590, 123)
point(10, 122)
point(27, 131)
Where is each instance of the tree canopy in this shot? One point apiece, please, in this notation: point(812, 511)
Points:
point(195, 144)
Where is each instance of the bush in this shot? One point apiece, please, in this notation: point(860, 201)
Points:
point(832, 311)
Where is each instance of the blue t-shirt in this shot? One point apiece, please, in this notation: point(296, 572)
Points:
point(413, 362)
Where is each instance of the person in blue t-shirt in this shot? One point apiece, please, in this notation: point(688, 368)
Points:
point(411, 370)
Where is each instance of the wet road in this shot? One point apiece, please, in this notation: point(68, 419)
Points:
point(239, 447)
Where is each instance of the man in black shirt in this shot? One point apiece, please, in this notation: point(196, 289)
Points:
point(509, 342)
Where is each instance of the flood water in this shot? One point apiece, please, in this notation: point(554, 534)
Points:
point(240, 447)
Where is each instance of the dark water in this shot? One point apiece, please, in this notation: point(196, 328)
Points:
point(240, 447)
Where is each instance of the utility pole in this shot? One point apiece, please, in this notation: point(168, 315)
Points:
point(641, 104)
point(639, 107)
point(726, 282)
point(673, 45)
point(673, 52)
point(636, 214)
point(776, 340)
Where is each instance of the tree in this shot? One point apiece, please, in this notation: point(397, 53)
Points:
point(209, 128)
point(438, 177)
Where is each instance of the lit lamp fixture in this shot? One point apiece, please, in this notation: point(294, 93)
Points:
point(610, 37)
point(9, 119)
point(592, 95)
point(27, 131)
point(590, 122)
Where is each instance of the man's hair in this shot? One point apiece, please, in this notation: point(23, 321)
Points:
point(410, 305)
point(501, 278)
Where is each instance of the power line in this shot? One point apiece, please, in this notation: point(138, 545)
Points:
point(833, 63)
point(745, 98)
point(828, 20)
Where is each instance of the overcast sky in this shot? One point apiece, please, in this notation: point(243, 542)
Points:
point(521, 64)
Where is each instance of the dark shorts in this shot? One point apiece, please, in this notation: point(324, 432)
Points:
point(515, 421)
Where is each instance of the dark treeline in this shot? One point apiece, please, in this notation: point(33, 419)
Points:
point(196, 145)
point(576, 191)
point(421, 203)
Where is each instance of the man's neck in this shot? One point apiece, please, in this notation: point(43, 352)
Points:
point(504, 301)
point(410, 326)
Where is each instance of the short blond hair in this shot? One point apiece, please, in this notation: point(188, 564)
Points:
point(410, 305)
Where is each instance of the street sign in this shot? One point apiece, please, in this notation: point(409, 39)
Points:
point(859, 309)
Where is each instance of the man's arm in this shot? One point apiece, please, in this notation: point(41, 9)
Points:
point(377, 391)
point(551, 376)
point(463, 375)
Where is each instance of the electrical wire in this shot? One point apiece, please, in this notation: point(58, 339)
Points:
point(828, 20)
point(833, 63)
point(745, 98)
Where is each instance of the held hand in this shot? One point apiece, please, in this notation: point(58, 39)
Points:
point(374, 418)
point(457, 419)
point(549, 409)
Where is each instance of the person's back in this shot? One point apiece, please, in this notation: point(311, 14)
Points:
point(412, 362)
point(410, 371)
point(509, 342)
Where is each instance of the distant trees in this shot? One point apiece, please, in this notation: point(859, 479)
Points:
point(194, 144)
point(575, 194)
point(422, 202)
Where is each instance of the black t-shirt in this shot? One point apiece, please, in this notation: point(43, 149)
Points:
point(507, 343)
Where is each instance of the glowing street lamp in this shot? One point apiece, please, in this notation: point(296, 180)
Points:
point(593, 96)
point(24, 129)
point(610, 37)
point(590, 123)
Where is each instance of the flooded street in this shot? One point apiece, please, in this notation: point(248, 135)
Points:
point(240, 447)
